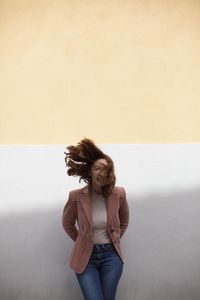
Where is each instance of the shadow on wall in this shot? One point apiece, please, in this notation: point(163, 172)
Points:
point(161, 249)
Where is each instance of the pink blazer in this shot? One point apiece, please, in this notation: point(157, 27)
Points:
point(78, 208)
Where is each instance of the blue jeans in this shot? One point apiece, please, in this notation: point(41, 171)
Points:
point(100, 278)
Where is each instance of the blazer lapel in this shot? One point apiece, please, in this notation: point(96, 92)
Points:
point(85, 201)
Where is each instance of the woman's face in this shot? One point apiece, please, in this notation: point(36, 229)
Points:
point(98, 172)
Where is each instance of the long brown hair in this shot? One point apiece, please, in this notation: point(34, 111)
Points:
point(80, 158)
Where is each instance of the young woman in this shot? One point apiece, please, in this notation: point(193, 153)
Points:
point(102, 214)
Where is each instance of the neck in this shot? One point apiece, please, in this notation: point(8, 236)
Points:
point(95, 189)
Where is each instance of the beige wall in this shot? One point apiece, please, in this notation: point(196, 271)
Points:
point(115, 71)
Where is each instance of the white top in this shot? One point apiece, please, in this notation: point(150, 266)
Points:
point(99, 219)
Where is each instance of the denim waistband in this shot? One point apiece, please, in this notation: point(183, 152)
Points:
point(98, 247)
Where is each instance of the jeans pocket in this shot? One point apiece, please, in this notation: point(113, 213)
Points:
point(109, 247)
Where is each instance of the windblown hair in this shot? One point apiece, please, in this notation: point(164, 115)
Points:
point(79, 160)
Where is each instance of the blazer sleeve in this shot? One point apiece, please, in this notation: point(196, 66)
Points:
point(123, 212)
point(69, 218)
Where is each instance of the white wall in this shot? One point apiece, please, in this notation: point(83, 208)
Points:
point(161, 246)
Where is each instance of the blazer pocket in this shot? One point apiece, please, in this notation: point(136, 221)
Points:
point(78, 248)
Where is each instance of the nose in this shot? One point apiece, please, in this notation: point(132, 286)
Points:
point(102, 175)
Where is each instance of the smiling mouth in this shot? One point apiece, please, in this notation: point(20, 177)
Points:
point(100, 180)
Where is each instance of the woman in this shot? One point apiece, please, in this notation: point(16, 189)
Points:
point(102, 214)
